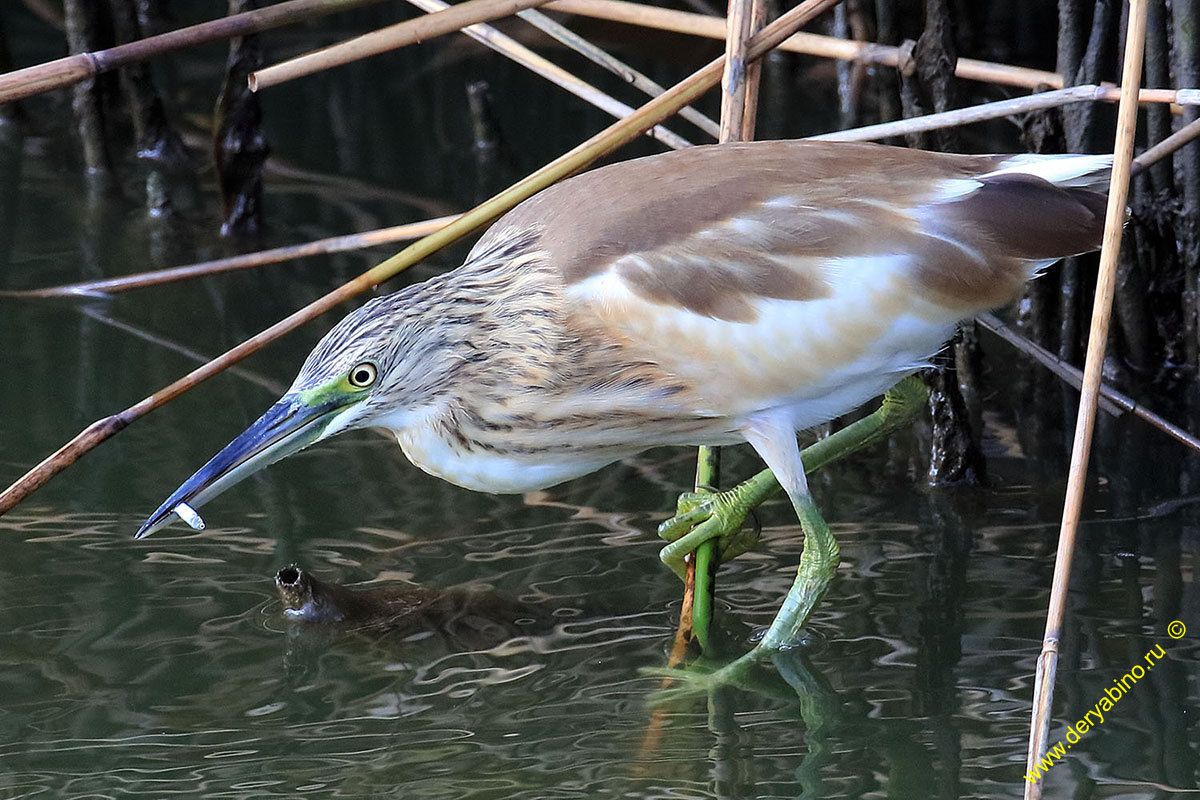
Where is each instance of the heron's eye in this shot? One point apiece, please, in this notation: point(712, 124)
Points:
point(363, 375)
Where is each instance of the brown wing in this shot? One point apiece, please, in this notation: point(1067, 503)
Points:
point(710, 228)
point(791, 272)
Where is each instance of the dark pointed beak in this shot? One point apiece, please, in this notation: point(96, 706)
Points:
point(288, 427)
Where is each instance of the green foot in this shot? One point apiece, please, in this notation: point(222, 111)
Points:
point(705, 676)
point(705, 516)
point(782, 676)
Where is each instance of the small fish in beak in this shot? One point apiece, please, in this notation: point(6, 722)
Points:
point(287, 427)
point(189, 515)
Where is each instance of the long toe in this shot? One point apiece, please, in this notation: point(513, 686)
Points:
point(707, 516)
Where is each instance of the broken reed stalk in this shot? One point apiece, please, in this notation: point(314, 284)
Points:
point(73, 69)
point(685, 630)
point(617, 134)
point(274, 255)
point(511, 48)
point(597, 55)
point(1004, 108)
point(1118, 190)
point(1111, 400)
point(808, 43)
point(739, 109)
point(386, 39)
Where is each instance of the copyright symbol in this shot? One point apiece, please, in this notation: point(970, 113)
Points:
point(1176, 629)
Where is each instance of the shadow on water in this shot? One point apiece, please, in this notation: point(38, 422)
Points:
point(165, 667)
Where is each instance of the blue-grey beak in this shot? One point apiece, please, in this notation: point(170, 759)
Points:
point(288, 427)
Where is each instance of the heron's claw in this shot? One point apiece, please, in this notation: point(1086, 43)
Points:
point(691, 509)
point(702, 516)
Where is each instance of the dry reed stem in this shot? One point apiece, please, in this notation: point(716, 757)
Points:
point(1043, 691)
point(739, 83)
point(1004, 108)
point(358, 241)
point(250, 376)
point(511, 48)
point(807, 43)
point(73, 69)
point(597, 55)
point(386, 39)
point(274, 255)
point(683, 631)
point(1167, 146)
point(617, 134)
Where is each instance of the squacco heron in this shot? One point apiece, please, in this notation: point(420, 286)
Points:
point(721, 294)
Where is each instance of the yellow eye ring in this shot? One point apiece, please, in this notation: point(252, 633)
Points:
point(363, 375)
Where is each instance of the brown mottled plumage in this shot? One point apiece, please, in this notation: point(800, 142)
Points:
point(664, 300)
point(713, 295)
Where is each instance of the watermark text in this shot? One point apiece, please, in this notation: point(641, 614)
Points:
point(1094, 717)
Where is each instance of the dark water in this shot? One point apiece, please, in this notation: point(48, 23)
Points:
point(163, 668)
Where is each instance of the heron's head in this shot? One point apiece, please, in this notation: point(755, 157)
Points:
point(361, 374)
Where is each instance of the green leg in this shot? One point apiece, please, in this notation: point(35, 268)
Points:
point(819, 559)
point(719, 516)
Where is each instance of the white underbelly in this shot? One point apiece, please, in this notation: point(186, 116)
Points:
point(497, 473)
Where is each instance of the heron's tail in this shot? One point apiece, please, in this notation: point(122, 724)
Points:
point(1038, 208)
point(1065, 171)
